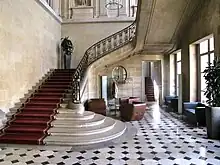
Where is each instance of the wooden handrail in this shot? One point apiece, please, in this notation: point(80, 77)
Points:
point(99, 50)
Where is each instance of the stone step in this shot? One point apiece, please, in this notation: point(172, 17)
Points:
point(87, 115)
point(106, 126)
point(98, 119)
point(115, 132)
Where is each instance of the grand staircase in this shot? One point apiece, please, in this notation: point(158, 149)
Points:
point(42, 117)
point(30, 123)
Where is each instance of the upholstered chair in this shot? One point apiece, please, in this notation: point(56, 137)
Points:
point(133, 111)
point(96, 105)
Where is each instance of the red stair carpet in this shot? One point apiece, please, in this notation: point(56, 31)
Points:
point(30, 123)
point(149, 89)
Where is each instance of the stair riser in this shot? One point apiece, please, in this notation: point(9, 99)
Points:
point(57, 83)
point(43, 90)
point(28, 123)
point(49, 97)
point(49, 94)
point(25, 131)
point(8, 141)
point(44, 101)
point(57, 80)
point(56, 87)
point(34, 117)
point(40, 105)
point(60, 78)
point(39, 111)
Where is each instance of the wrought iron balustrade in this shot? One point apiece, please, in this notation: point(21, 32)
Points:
point(99, 50)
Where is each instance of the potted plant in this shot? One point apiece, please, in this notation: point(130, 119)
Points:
point(67, 48)
point(212, 93)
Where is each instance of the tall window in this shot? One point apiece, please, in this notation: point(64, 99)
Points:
point(206, 52)
point(178, 70)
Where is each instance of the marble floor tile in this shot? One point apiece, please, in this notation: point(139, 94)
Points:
point(162, 139)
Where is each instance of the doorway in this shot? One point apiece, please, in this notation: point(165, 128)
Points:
point(104, 85)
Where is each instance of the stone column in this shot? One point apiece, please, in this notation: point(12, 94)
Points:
point(217, 29)
point(97, 8)
point(185, 71)
point(217, 42)
point(172, 74)
point(64, 8)
point(56, 6)
point(128, 8)
point(193, 72)
point(165, 75)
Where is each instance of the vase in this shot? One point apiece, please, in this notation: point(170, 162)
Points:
point(213, 122)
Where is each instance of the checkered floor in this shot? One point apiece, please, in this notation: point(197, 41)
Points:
point(161, 139)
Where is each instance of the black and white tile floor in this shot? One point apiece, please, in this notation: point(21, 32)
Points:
point(161, 140)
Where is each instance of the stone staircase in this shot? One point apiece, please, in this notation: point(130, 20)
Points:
point(78, 127)
point(149, 89)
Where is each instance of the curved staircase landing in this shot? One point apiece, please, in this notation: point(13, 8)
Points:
point(79, 131)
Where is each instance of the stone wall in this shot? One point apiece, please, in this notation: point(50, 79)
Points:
point(84, 35)
point(29, 47)
point(205, 22)
point(133, 85)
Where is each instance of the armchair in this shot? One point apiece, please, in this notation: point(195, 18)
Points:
point(195, 112)
point(132, 111)
point(96, 105)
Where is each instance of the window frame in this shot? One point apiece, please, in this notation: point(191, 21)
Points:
point(208, 53)
point(176, 70)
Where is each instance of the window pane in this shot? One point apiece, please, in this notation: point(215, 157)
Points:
point(203, 84)
point(178, 56)
point(178, 66)
point(203, 97)
point(211, 41)
point(177, 86)
point(204, 62)
point(203, 47)
point(203, 87)
point(212, 57)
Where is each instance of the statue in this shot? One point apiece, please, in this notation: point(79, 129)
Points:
point(67, 48)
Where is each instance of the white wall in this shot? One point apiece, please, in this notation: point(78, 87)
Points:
point(83, 35)
point(29, 38)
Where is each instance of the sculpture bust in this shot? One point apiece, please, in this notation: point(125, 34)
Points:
point(67, 48)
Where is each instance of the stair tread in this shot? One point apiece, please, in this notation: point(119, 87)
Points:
point(28, 127)
point(51, 89)
point(41, 93)
point(31, 119)
point(34, 114)
point(118, 130)
point(42, 102)
point(26, 137)
point(109, 122)
point(46, 98)
point(38, 108)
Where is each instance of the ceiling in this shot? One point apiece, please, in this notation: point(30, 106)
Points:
point(159, 22)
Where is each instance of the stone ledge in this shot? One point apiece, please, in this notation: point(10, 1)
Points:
point(99, 20)
point(49, 10)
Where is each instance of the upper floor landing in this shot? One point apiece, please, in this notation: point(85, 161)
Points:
point(94, 10)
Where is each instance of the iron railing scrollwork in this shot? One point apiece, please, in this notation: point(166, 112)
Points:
point(99, 50)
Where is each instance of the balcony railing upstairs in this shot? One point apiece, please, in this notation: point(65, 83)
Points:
point(99, 50)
